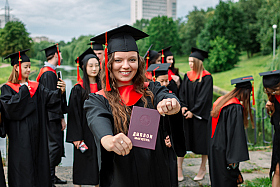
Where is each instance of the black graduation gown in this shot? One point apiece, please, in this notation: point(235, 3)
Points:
point(141, 167)
point(197, 97)
point(85, 167)
point(55, 135)
point(26, 121)
point(228, 145)
point(275, 121)
point(2, 176)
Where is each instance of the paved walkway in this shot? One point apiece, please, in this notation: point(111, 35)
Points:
point(257, 167)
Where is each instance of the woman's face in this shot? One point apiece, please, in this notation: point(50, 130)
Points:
point(191, 63)
point(169, 59)
point(272, 91)
point(92, 67)
point(158, 61)
point(124, 67)
point(25, 69)
point(163, 80)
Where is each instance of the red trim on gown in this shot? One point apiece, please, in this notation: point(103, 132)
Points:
point(43, 70)
point(32, 84)
point(93, 87)
point(192, 75)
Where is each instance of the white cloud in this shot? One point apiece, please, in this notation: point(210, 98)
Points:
point(65, 19)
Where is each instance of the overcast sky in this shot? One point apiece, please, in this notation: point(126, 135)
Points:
point(65, 19)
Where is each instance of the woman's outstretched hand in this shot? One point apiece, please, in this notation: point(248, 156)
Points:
point(119, 143)
point(168, 106)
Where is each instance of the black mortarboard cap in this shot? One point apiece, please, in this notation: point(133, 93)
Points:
point(15, 57)
point(243, 82)
point(270, 78)
point(85, 56)
point(159, 69)
point(51, 50)
point(122, 38)
point(148, 51)
point(96, 46)
point(166, 51)
point(199, 54)
point(152, 54)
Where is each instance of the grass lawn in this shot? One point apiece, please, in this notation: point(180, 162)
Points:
point(258, 182)
point(244, 67)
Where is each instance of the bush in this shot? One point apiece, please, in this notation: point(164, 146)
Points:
point(222, 55)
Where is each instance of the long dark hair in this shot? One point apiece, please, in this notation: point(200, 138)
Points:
point(243, 95)
point(121, 112)
point(86, 83)
point(172, 68)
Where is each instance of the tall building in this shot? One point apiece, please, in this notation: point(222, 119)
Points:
point(147, 9)
point(6, 17)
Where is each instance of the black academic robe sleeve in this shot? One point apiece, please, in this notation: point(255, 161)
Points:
point(75, 115)
point(160, 93)
point(236, 146)
point(182, 94)
point(20, 103)
point(205, 96)
point(49, 81)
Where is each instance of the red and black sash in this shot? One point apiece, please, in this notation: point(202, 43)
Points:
point(43, 70)
point(149, 75)
point(93, 87)
point(277, 98)
point(215, 120)
point(128, 94)
point(32, 84)
point(192, 75)
point(169, 74)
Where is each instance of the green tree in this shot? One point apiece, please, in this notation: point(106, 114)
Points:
point(267, 16)
point(14, 37)
point(141, 24)
point(163, 32)
point(36, 50)
point(227, 21)
point(190, 29)
point(222, 55)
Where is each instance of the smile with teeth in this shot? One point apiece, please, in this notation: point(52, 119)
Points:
point(124, 72)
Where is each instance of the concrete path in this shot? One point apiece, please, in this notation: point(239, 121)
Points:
point(257, 167)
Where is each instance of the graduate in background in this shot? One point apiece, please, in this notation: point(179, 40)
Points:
point(196, 94)
point(271, 84)
point(2, 135)
point(98, 50)
point(48, 77)
point(160, 74)
point(109, 110)
point(26, 104)
point(227, 138)
point(85, 167)
point(150, 57)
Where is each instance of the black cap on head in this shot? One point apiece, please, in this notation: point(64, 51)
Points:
point(243, 82)
point(122, 38)
point(270, 78)
point(51, 50)
point(166, 51)
point(159, 69)
point(96, 46)
point(152, 54)
point(85, 56)
point(15, 57)
point(199, 54)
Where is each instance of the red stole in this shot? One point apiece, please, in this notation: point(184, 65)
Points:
point(149, 75)
point(192, 74)
point(169, 74)
point(93, 87)
point(128, 94)
point(32, 84)
point(277, 98)
point(43, 70)
point(215, 120)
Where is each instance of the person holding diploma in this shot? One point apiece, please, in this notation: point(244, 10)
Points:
point(108, 114)
point(25, 106)
point(271, 84)
point(227, 138)
point(85, 166)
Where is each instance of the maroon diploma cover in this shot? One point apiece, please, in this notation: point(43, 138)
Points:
point(143, 127)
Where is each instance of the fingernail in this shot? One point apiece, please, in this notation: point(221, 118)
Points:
point(163, 115)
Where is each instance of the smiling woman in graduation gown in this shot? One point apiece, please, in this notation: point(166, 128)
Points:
point(227, 138)
point(120, 163)
point(85, 167)
point(25, 119)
